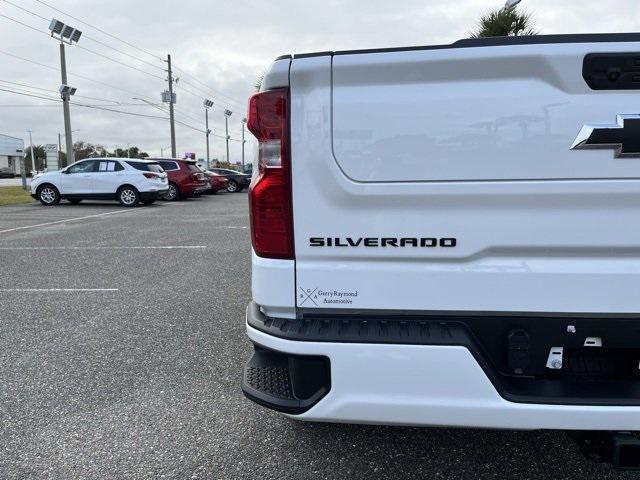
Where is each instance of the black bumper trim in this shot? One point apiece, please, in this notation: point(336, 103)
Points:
point(486, 339)
point(286, 383)
point(146, 196)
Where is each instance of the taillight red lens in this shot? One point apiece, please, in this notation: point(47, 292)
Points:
point(150, 175)
point(270, 191)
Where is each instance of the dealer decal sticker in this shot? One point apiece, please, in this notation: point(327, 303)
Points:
point(318, 297)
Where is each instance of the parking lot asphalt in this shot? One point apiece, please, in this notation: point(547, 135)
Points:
point(122, 361)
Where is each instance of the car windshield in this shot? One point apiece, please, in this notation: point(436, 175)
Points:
point(193, 167)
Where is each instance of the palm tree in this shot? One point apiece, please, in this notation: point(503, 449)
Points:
point(258, 83)
point(505, 22)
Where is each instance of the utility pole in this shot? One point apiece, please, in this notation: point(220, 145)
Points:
point(207, 105)
point(227, 114)
point(23, 170)
point(171, 115)
point(59, 150)
point(33, 154)
point(65, 108)
point(70, 35)
point(244, 121)
point(206, 119)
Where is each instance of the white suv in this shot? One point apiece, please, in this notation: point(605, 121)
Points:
point(128, 181)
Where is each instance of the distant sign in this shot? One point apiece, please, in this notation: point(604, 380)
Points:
point(51, 149)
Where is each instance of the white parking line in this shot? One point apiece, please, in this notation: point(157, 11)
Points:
point(67, 220)
point(59, 290)
point(116, 247)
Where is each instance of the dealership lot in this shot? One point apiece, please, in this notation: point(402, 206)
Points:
point(121, 346)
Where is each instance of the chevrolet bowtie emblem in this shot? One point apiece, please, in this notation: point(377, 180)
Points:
point(623, 136)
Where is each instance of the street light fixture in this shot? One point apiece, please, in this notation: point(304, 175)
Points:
point(56, 27)
point(207, 105)
point(67, 91)
point(64, 33)
point(227, 114)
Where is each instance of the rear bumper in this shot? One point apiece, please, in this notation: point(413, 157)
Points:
point(428, 385)
point(146, 196)
point(190, 189)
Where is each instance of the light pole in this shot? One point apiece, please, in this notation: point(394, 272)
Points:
point(70, 35)
point(168, 96)
point(244, 122)
point(227, 114)
point(23, 169)
point(33, 154)
point(207, 105)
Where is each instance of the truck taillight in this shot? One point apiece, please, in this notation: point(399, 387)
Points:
point(270, 191)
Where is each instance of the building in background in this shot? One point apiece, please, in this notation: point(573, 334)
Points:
point(11, 154)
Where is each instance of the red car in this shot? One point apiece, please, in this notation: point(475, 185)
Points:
point(185, 178)
point(218, 182)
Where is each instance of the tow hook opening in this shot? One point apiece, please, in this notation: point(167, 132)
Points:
point(621, 449)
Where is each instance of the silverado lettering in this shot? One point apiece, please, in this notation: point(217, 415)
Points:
point(396, 242)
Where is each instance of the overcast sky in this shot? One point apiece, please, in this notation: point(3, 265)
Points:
point(222, 46)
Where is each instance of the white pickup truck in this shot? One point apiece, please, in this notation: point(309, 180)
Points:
point(448, 235)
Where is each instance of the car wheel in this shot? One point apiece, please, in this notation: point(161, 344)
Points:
point(232, 186)
point(172, 194)
point(128, 196)
point(48, 195)
point(75, 201)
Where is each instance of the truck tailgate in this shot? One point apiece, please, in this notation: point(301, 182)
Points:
point(444, 180)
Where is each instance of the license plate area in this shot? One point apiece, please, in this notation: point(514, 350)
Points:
point(600, 364)
point(600, 361)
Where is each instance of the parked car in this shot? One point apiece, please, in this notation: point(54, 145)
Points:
point(237, 181)
point(185, 178)
point(216, 181)
point(128, 181)
point(6, 172)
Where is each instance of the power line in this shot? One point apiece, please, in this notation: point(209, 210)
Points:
point(101, 107)
point(33, 87)
point(122, 52)
point(121, 63)
point(218, 93)
point(89, 79)
point(206, 93)
point(30, 94)
point(85, 48)
point(99, 30)
point(202, 94)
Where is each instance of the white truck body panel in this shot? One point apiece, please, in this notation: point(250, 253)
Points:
point(552, 233)
point(440, 185)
